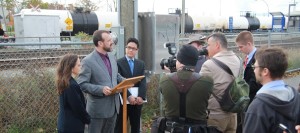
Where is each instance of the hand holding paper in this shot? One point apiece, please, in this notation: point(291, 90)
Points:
point(134, 92)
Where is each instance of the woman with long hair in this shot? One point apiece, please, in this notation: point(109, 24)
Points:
point(72, 115)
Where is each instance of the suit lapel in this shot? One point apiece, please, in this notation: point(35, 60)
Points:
point(126, 65)
point(251, 62)
point(135, 67)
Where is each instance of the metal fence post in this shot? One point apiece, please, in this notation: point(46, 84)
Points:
point(269, 38)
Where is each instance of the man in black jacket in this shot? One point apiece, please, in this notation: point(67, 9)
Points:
point(275, 103)
point(245, 43)
point(129, 67)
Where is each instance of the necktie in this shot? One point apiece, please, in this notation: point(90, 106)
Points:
point(131, 64)
point(245, 62)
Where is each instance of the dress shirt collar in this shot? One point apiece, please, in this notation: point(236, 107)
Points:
point(103, 55)
point(129, 58)
point(250, 55)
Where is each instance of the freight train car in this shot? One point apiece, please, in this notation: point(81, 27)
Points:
point(206, 23)
point(237, 23)
point(265, 22)
point(70, 23)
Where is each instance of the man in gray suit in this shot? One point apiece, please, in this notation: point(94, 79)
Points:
point(99, 74)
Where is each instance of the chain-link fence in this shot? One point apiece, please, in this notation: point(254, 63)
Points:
point(28, 98)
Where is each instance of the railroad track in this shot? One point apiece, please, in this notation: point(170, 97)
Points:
point(50, 57)
point(24, 54)
point(36, 58)
point(25, 63)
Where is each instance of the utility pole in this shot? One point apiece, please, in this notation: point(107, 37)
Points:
point(289, 14)
point(127, 17)
point(4, 17)
point(183, 19)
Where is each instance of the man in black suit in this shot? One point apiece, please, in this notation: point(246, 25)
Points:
point(128, 70)
point(245, 44)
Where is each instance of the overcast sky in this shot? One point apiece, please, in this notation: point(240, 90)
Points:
point(210, 7)
point(213, 7)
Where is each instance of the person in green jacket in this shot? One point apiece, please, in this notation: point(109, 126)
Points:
point(186, 92)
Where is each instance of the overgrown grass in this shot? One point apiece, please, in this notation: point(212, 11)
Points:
point(293, 58)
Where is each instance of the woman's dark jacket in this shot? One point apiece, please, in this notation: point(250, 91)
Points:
point(72, 115)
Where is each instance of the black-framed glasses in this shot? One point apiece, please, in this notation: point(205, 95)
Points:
point(253, 66)
point(131, 48)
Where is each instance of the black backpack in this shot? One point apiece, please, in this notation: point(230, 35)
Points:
point(236, 96)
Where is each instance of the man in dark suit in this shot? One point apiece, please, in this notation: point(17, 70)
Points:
point(99, 74)
point(245, 44)
point(129, 67)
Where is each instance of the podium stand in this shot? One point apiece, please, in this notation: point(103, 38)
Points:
point(123, 86)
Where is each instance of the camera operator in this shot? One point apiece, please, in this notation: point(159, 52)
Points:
point(186, 94)
point(197, 41)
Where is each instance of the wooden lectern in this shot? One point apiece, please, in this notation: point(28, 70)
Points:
point(123, 86)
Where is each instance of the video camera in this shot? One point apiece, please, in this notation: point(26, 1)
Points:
point(203, 51)
point(171, 61)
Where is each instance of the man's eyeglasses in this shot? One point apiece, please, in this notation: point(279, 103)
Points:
point(131, 48)
point(253, 66)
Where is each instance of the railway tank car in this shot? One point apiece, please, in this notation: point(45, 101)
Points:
point(225, 24)
point(265, 23)
point(236, 23)
point(72, 22)
point(206, 23)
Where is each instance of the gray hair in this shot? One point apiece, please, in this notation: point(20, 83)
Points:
point(220, 37)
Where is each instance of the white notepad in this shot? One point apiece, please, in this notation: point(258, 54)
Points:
point(134, 92)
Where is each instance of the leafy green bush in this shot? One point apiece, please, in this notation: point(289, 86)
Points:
point(84, 37)
point(151, 108)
